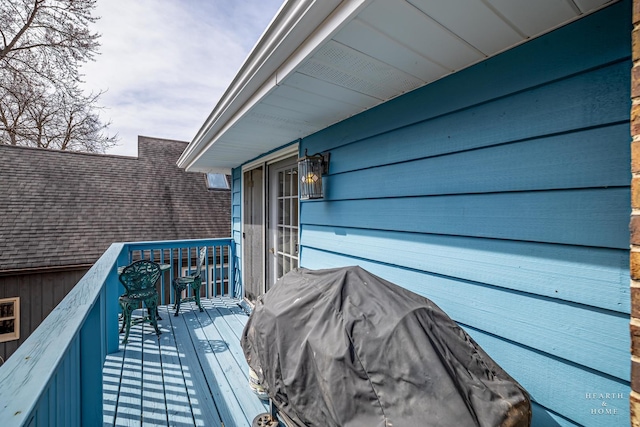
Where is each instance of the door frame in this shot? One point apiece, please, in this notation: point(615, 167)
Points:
point(265, 161)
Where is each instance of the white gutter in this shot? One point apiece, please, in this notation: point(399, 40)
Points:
point(299, 28)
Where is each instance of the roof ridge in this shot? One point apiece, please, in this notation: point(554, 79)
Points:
point(54, 150)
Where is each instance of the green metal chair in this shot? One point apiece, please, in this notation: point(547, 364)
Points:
point(193, 280)
point(139, 280)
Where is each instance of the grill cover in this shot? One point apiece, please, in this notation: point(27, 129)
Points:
point(342, 347)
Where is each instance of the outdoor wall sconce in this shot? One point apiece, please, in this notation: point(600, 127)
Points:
point(310, 171)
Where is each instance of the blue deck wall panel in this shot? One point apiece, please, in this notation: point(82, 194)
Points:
point(502, 194)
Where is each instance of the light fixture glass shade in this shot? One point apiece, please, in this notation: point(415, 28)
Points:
point(310, 175)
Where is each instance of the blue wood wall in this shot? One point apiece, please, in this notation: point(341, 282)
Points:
point(502, 194)
point(236, 216)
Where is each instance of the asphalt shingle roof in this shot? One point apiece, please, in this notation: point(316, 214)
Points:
point(62, 208)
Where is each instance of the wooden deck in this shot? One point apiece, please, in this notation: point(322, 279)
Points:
point(194, 374)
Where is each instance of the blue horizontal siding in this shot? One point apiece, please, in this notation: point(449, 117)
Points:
point(541, 164)
point(236, 212)
point(502, 194)
point(584, 275)
point(561, 387)
point(236, 223)
point(545, 417)
point(236, 203)
point(572, 332)
point(587, 217)
point(593, 98)
point(235, 198)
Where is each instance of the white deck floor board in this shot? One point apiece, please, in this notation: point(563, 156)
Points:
point(129, 405)
point(193, 374)
point(202, 400)
point(234, 368)
point(179, 411)
point(153, 393)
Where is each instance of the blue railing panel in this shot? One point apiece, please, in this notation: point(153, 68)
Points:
point(182, 256)
point(55, 376)
point(41, 383)
point(91, 361)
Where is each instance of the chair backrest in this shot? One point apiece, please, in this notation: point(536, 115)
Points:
point(201, 259)
point(140, 275)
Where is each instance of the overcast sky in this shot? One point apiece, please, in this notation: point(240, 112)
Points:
point(166, 63)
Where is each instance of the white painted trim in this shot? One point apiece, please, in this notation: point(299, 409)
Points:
point(15, 335)
point(223, 171)
point(273, 157)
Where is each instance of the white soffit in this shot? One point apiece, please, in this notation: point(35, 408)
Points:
point(360, 54)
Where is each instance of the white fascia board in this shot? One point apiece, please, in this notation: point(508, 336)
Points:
point(299, 29)
point(222, 171)
point(252, 70)
point(255, 65)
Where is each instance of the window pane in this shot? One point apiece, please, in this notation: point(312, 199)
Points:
point(280, 184)
point(287, 183)
point(294, 213)
point(7, 326)
point(6, 309)
point(286, 241)
point(217, 181)
point(287, 212)
point(294, 182)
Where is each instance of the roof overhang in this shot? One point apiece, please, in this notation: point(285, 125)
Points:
point(322, 61)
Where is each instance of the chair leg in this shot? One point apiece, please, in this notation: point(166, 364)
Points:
point(122, 306)
point(177, 296)
point(157, 313)
point(127, 310)
point(196, 291)
point(152, 306)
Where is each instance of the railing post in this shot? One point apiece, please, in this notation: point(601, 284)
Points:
point(232, 270)
point(91, 359)
point(113, 290)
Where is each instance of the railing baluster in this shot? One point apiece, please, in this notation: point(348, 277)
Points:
point(206, 274)
point(215, 271)
point(161, 261)
point(223, 272)
point(171, 276)
point(189, 271)
point(180, 266)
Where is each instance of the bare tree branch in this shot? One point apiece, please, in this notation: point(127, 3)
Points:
point(43, 44)
point(9, 47)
